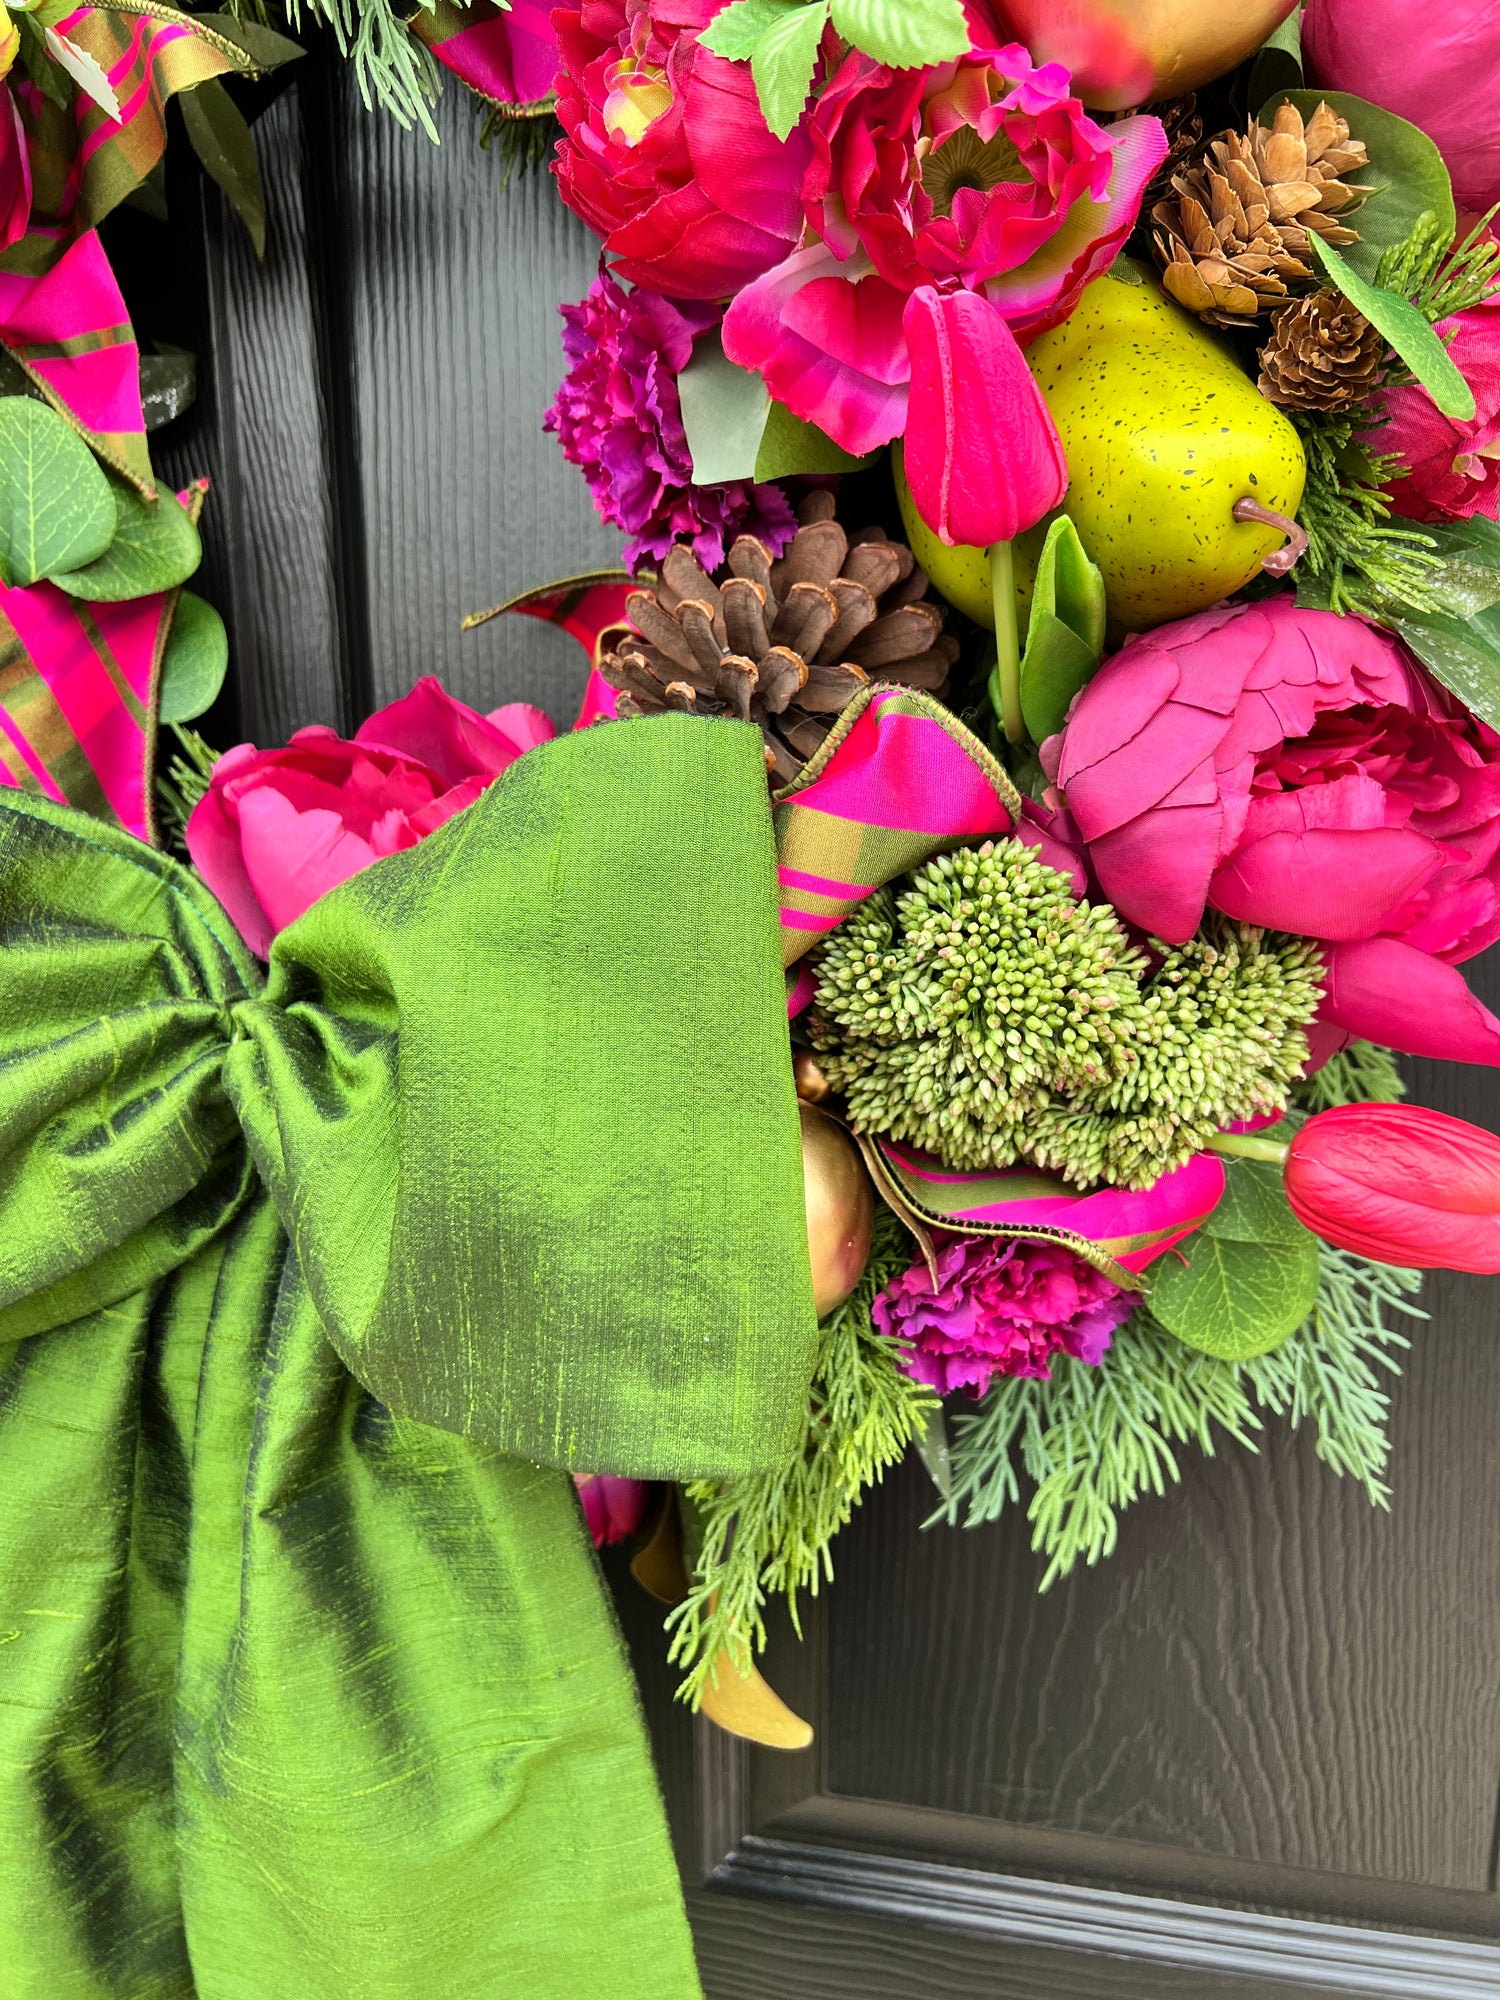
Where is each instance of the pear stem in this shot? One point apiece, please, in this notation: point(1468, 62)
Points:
point(1007, 642)
point(1282, 561)
point(1249, 1146)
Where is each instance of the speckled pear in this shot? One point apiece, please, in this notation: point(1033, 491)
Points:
point(1164, 432)
point(840, 1208)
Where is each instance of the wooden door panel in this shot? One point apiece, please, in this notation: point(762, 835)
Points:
point(1238, 1760)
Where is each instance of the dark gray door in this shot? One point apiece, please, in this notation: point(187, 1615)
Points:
point(1256, 1753)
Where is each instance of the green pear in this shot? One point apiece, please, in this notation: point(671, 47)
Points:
point(1164, 432)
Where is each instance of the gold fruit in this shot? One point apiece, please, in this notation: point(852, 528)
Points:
point(840, 1208)
point(1126, 52)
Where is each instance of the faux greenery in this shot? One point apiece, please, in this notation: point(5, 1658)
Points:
point(1363, 1073)
point(391, 66)
point(986, 1015)
point(1095, 1440)
point(180, 786)
point(772, 1533)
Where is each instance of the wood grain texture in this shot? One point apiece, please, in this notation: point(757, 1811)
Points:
point(455, 282)
point(749, 1950)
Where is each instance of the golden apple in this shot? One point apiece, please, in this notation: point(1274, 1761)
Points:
point(840, 1208)
point(1125, 52)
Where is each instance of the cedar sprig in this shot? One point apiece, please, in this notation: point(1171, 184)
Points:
point(1438, 276)
point(1365, 563)
point(392, 68)
point(771, 1533)
point(181, 785)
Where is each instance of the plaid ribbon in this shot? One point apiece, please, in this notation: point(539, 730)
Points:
point(78, 691)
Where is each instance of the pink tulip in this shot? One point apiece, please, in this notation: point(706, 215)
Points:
point(1435, 66)
point(277, 829)
point(614, 1508)
point(1400, 1184)
point(983, 457)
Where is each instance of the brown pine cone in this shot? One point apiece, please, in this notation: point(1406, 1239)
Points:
point(1232, 239)
point(783, 643)
point(1184, 129)
point(1322, 354)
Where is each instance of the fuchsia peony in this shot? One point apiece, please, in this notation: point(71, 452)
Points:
point(1298, 770)
point(983, 176)
point(1435, 66)
point(665, 154)
point(619, 416)
point(277, 829)
point(1453, 470)
point(1003, 1306)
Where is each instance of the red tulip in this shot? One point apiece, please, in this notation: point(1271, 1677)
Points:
point(1399, 1184)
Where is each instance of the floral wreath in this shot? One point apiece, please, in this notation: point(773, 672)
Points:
point(1078, 459)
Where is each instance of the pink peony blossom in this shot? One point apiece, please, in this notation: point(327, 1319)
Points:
point(665, 153)
point(982, 176)
point(1003, 1306)
point(614, 1508)
point(277, 829)
point(619, 416)
point(1435, 66)
point(1298, 770)
point(1453, 470)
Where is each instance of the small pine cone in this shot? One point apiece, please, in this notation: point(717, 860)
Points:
point(1184, 130)
point(786, 643)
point(1232, 238)
point(1322, 355)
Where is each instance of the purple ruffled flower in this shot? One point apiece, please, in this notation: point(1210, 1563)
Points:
point(618, 416)
point(1002, 1307)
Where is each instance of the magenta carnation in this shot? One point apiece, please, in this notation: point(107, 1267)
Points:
point(618, 415)
point(1003, 1306)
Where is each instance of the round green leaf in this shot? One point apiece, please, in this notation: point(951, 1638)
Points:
point(1404, 165)
point(155, 548)
point(195, 662)
point(55, 506)
point(1236, 1299)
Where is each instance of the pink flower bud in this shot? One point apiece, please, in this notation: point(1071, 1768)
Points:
point(1400, 1184)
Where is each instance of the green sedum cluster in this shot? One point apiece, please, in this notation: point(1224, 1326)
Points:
point(987, 1016)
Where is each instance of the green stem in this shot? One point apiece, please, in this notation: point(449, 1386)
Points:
point(1007, 642)
point(1249, 1146)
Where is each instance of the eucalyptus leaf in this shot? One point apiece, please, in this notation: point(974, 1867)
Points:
point(264, 47)
point(724, 413)
point(222, 141)
point(1405, 167)
point(1065, 635)
point(169, 385)
point(195, 662)
point(782, 65)
point(56, 509)
point(1407, 330)
point(789, 446)
point(1277, 69)
point(155, 548)
point(907, 34)
point(1253, 1207)
point(1235, 1299)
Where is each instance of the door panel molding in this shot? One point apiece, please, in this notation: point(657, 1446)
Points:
point(1151, 1930)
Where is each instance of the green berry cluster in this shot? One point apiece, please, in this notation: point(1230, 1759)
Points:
point(987, 1016)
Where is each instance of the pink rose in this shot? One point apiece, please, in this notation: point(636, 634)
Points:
point(1298, 770)
point(1435, 66)
point(1453, 472)
point(279, 828)
point(984, 176)
point(665, 154)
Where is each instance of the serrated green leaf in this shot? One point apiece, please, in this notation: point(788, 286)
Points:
point(736, 33)
point(782, 65)
point(222, 141)
point(155, 548)
point(55, 504)
point(789, 446)
point(1065, 633)
point(1408, 331)
point(907, 34)
point(1405, 167)
point(1233, 1299)
point(195, 662)
point(1254, 1207)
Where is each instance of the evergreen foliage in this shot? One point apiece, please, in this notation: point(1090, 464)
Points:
point(1361, 1074)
